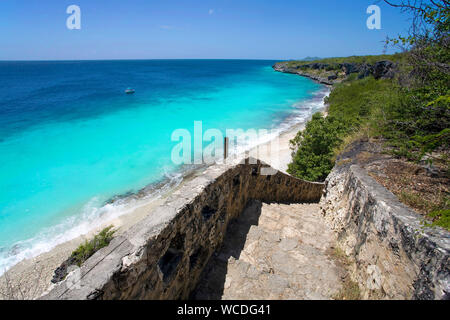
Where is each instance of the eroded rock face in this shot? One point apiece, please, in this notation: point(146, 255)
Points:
point(302, 71)
point(329, 74)
point(394, 256)
point(384, 70)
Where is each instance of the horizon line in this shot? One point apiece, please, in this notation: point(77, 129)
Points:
point(138, 59)
point(146, 59)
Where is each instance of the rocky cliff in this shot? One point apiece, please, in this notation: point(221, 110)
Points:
point(330, 74)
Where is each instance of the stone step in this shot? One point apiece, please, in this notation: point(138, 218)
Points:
point(274, 251)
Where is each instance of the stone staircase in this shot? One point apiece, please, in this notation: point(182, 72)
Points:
point(274, 251)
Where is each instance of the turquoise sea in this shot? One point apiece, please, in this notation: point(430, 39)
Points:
point(71, 139)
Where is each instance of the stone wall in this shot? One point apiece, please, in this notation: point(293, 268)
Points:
point(394, 256)
point(163, 256)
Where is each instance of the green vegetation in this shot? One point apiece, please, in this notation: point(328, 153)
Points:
point(314, 159)
point(419, 123)
point(432, 208)
point(441, 218)
point(354, 107)
point(412, 122)
point(437, 212)
point(335, 62)
point(86, 250)
point(410, 114)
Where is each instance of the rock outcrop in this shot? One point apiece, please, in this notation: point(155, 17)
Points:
point(329, 74)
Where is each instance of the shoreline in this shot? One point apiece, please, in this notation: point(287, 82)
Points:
point(33, 276)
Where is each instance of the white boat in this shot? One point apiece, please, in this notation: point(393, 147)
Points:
point(129, 91)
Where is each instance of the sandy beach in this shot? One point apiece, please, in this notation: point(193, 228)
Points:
point(31, 278)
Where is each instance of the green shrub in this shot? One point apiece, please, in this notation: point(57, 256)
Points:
point(314, 158)
point(419, 123)
point(86, 250)
point(441, 218)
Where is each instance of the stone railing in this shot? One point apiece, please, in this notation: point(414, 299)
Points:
point(163, 256)
point(394, 255)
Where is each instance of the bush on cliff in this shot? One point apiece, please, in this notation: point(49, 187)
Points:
point(418, 124)
point(313, 160)
point(86, 250)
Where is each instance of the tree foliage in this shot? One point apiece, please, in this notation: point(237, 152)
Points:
point(419, 123)
point(413, 115)
point(428, 40)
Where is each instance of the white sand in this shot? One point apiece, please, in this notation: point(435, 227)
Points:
point(278, 152)
point(30, 278)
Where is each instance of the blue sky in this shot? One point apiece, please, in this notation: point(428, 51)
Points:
point(197, 29)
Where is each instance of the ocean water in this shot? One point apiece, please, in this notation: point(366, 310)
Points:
point(70, 139)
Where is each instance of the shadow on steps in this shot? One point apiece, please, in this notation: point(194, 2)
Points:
point(212, 281)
